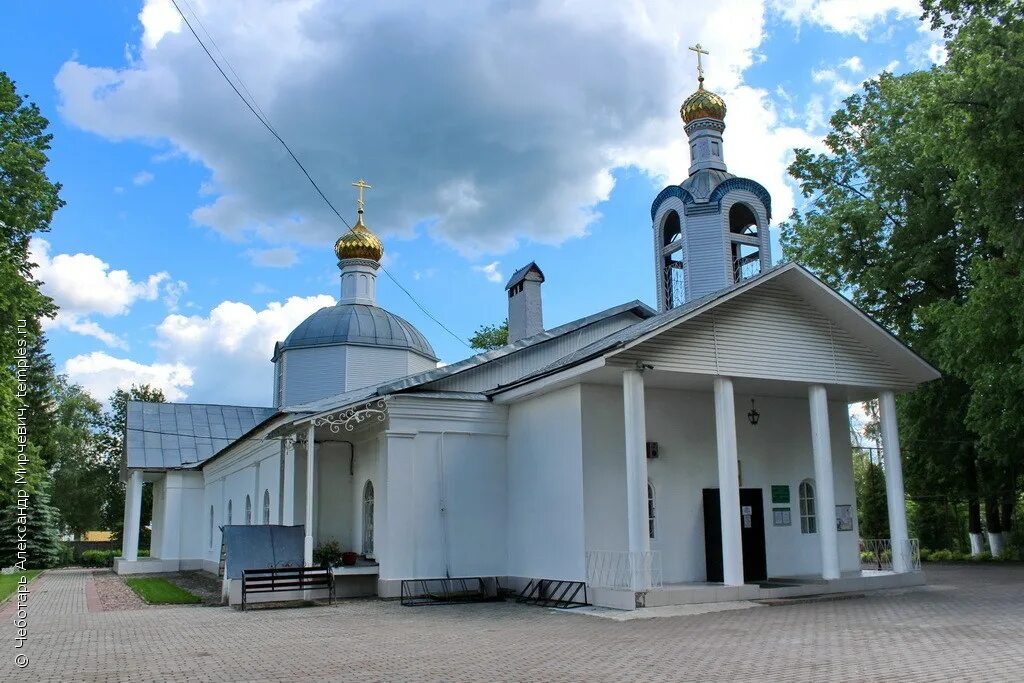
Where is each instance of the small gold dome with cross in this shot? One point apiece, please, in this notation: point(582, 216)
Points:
point(703, 104)
point(359, 242)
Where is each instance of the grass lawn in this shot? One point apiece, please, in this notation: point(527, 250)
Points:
point(9, 582)
point(161, 592)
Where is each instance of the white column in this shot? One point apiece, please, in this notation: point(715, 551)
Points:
point(288, 485)
point(170, 518)
point(821, 445)
point(894, 482)
point(124, 518)
point(133, 507)
point(636, 474)
point(728, 482)
point(307, 554)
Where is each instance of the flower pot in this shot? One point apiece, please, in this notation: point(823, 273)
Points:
point(348, 559)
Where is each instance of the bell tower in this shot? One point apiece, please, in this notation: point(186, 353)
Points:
point(711, 230)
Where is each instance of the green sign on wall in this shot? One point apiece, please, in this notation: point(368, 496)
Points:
point(780, 494)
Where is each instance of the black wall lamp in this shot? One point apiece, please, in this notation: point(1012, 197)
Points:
point(753, 415)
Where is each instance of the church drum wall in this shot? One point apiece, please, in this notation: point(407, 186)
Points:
point(776, 451)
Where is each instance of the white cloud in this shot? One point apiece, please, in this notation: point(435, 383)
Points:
point(838, 86)
point(158, 18)
point(83, 285)
point(173, 291)
point(927, 50)
point(505, 129)
point(815, 113)
point(846, 16)
point(490, 271)
point(281, 257)
point(853, 65)
point(101, 373)
point(142, 178)
point(228, 351)
point(221, 357)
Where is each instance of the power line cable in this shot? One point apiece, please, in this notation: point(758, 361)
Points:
point(254, 108)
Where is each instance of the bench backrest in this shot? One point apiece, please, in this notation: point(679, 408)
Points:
point(285, 579)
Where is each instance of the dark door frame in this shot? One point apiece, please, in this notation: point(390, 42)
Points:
point(752, 532)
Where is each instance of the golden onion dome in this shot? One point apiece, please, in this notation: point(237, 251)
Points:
point(702, 104)
point(359, 242)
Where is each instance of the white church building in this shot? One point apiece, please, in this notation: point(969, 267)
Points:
point(696, 452)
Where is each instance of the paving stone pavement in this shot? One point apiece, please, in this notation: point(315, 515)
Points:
point(967, 624)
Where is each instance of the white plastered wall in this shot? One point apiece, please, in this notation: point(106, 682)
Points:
point(443, 512)
point(776, 451)
point(545, 487)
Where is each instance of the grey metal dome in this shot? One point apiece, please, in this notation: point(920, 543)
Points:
point(358, 324)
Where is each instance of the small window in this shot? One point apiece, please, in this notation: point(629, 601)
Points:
point(229, 512)
point(266, 506)
point(808, 516)
point(211, 526)
point(650, 509)
point(672, 230)
point(248, 509)
point(742, 220)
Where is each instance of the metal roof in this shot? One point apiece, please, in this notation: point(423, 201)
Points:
point(701, 183)
point(358, 324)
point(521, 274)
point(419, 379)
point(635, 332)
point(182, 435)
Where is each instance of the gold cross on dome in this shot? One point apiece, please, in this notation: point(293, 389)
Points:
point(362, 185)
point(699, 49)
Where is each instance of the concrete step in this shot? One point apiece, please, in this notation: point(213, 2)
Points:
point(805, 599)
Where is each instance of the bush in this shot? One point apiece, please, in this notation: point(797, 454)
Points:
point(98, 558)
point(327, 554)
point(65, 555)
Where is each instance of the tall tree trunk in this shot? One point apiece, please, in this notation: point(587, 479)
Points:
point(993, 525)
point(973, 509)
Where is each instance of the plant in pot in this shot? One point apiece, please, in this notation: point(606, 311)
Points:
point(328, 554)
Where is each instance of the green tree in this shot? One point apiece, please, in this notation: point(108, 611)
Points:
point(28, 200)
point(916, 210)
point(879, 225)
point(79, 477)
point(872, 506)
point(36, 528)
point(489, 337)
point(111, 447)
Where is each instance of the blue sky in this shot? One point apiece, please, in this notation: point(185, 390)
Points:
point(190, 243)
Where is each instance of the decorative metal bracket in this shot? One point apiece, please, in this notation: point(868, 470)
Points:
point(353, 417)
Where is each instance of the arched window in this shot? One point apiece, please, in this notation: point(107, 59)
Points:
point(211, 526)
point(229, 512)
point(248, 509)
point(266, 506)
point(368, 519)
point(742, 220)
point(650, 509)
point(808, 514)
point(672, 230)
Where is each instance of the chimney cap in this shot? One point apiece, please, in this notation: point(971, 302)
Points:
point(524, 273)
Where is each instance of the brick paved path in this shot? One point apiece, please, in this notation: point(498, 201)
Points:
point(968, 624)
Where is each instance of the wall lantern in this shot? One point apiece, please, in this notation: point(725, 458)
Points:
point(753, 415)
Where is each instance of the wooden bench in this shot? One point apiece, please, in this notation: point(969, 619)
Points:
point(279, 579)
